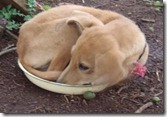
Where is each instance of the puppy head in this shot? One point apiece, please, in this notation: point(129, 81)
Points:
point(94, 61)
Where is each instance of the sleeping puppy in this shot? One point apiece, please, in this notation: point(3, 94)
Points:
point(45, 42)
point(46, 46)
point(106, 54)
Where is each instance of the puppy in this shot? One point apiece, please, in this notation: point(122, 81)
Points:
point(45, 41)
point(106, 54)
point(47, 45)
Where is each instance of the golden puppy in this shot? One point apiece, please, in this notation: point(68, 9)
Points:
point(106, 54)
point(45, 41)
point(48, 45)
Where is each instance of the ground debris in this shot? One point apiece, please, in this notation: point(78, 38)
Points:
point(157, 74)
point(9, 32)
point(143, 107)
point(7, 51)
point(148, 20)
point(122, 88)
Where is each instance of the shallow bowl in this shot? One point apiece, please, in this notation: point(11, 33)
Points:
point(58, 87)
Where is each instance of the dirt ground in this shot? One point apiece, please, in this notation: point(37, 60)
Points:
point(19, 95)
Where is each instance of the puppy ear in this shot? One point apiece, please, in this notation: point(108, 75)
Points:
point(109, 67)
point(83, 20)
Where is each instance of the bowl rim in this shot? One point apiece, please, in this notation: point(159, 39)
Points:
point(51, 82)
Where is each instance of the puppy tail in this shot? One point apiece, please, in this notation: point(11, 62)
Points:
point(47, 75)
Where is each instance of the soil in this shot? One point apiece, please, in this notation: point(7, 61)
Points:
point(19, 95)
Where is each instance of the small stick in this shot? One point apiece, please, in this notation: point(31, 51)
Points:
point(84, 101)
point(66, 99)
point(10, 33)
point(9, 46)
point(7, 51)
point(16, 83)
point(122, 88)
point(131, 100)
point(157, 73)
point(147, 20)
point(143, 107)
point(158, 93)
point(123, 98)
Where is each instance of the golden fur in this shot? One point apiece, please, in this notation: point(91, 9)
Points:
point(48, 37)
point(105, 45)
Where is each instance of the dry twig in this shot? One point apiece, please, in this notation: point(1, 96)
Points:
point(84, 101)
point(157, 73)
point(158, 93)
point(130, 100)
point(122, 88)
point(66, 99)
point(147, 20)
point(143, 107)
point(10, 33)
point(17, 83)
point(9, 46)
point(7, 51)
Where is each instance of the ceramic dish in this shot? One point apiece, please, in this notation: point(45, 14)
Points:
point(58, 87)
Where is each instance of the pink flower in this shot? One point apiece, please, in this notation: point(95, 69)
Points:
point(139, 69)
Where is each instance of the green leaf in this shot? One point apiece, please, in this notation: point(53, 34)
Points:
point(31, 3)
point(27, 17)
point(13, 11)
point(158, 4)
point(8, 12)
point(9, 7)
point(13, 25)
point(46, 7)
point(7, 16)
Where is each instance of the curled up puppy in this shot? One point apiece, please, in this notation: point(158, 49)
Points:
point(45, 41)
point(80, 45)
